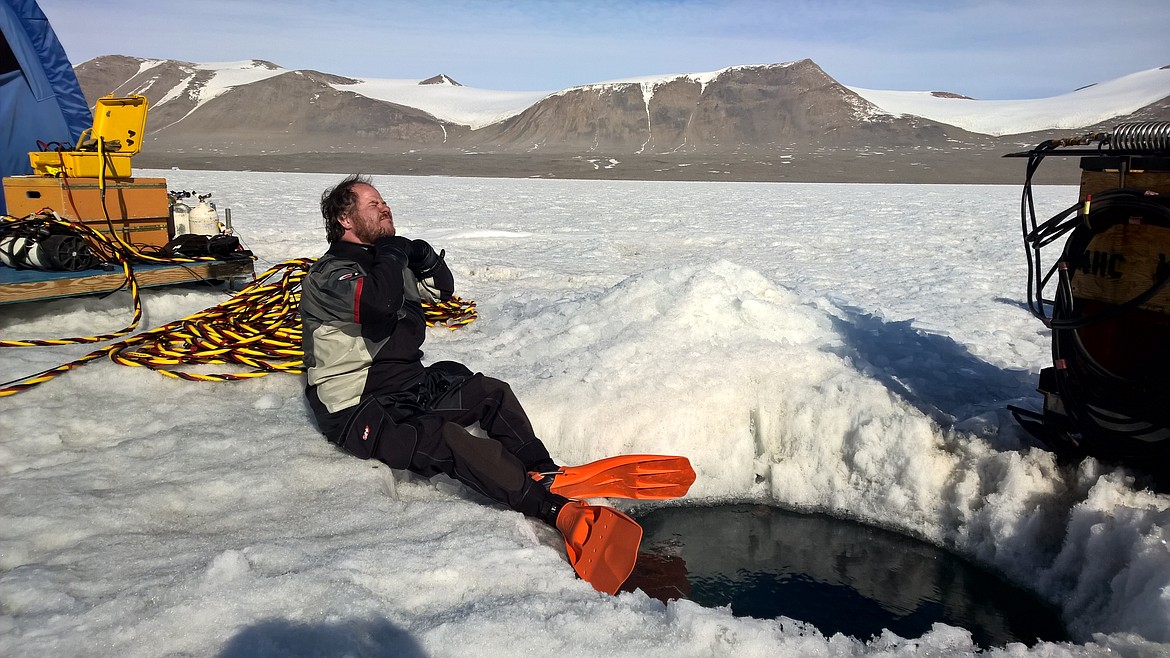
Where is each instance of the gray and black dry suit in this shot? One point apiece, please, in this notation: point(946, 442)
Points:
point(363, 332)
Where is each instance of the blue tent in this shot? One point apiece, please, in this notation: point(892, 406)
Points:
point(40, 99)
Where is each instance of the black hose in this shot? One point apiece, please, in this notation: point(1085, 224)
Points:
point(1121, 413)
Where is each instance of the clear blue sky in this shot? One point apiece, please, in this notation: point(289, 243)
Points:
point(992, 49)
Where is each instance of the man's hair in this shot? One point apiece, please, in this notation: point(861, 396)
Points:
point(338, 200)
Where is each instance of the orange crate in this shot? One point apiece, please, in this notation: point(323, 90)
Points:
point(138, 208)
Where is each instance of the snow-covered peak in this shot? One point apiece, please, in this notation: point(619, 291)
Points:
point(224, 76)
point(652, 81)
point(235, 74)
point(441, 79)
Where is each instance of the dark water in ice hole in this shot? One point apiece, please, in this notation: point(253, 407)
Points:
point(840, 576)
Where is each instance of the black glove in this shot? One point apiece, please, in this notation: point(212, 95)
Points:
point(431, 270)
point(422, 256)
point(393, 243)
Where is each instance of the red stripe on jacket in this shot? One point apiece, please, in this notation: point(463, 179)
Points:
point(357, 300)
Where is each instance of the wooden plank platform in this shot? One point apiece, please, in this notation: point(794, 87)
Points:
point(32, 285)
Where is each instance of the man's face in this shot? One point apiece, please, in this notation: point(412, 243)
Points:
point(370, 218)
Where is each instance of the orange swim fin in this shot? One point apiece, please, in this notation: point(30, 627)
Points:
point(602, 544)
point(641, 477)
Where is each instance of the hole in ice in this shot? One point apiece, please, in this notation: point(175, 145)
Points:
point(841, 576)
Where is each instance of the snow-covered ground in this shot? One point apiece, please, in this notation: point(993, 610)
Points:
point(840, 348)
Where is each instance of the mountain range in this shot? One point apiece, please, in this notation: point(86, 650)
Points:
point(788, 121)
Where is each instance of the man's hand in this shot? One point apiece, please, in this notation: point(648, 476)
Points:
point(431, 270)
point(394, 243)
point(422, 256)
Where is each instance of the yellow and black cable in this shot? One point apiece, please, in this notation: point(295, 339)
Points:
point(259, 329)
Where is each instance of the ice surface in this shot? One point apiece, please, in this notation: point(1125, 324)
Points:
point(840, 348)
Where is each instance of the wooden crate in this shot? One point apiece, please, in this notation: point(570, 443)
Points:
point(1107, 173)
point(1125, 260)
point(1121, 263)
point(138, 208)
point(80, 198)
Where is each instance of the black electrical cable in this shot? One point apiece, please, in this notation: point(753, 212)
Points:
point(1038, 235)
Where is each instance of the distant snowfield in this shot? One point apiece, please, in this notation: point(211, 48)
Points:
point(477, 108)
point(1083, 107)
point(463, 105)
point(847, 349)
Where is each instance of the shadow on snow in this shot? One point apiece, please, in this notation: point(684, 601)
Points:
point(279, 637)
point(935, 374)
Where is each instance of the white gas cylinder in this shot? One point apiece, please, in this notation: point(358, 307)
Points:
point(204, 219)
point(181, 213)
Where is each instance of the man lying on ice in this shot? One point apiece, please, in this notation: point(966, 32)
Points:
point(364, 326)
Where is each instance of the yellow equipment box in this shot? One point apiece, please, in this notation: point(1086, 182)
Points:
point(103, 150)
point(138, 208)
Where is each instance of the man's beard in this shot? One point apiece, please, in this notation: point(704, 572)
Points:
point(368, 231)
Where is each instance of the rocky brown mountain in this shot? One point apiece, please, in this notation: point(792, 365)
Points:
point(295, 111)
point(770, 122)
point(757, 109)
